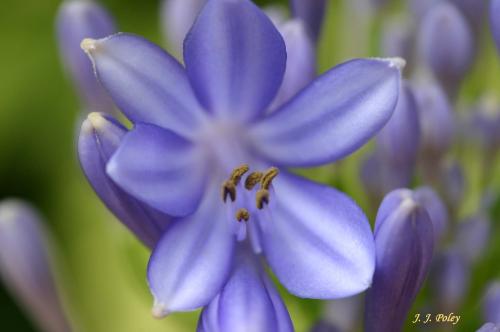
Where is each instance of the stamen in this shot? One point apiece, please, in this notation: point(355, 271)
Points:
point(242, 214)
point(268, 177)
point(238, 173)
point(262, 197)
point(228, 188)
point(253, 179)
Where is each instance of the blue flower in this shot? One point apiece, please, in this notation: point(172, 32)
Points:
point(205, 149)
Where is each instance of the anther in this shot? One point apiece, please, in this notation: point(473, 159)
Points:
point(238, 173)
point(242, 214)
point(252, 179)
point(228, 188)
point(268, 177)
point(262, 197)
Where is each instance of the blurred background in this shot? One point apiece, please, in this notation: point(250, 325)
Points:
point(101, 266)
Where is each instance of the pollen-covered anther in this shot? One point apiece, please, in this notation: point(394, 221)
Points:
point(262, 198)
point(228, 189)
point(238, 173)
point(268, 177)
point(252, 179)
point(242, 215)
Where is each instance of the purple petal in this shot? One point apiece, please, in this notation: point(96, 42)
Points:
point(446, 44)
point(332, 117)
point(404, 243)
point(312, 13)
point(77, 20)
point(472, 237)
point(473, 10)
point(235, 58)
point(495, 21)
point(398, 40)
point(159, 168)
point(489, 327)
point(317, 242)
point(247, 302)
point(177, 17)
point(26, 266)
point(436, 209)
point(99, 139)
point(161, 95)
point(300, 62)
point(491, 305)
point(192, 261)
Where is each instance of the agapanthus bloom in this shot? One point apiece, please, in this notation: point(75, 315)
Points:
point(205, 149)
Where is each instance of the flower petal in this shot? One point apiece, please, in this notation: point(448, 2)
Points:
point(235, 58)
point(99, 139)
point(312, 13)
point(159, 168)
point(338, 113)
point(318, 241)
point(161, 95)
point(247, 303)
point(192, 260)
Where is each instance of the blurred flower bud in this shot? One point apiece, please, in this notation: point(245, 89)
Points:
point(177, 17)
point(404, 242)
point(473, 10)
point(484, 124)
point(398, 141)
point(419, 8)
point(449, 280)
point(453, 183)
point(76, 20)
point(26, 266)
point(323, 326)
point(248, 301)
point(446, 44)
point(300, 62)
point(491, 304)
point(437, 122)
point(398, 40)
point(312, 13)
point(495, 21)
point(489, 327)
point(472, 237)
point(436, 209)
point(344, 313)
point(100, 137)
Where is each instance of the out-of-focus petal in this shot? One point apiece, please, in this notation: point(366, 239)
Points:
point(332, 117)
point(398, 40)
point(404, 243)
point(300, 62)
point(99, 139)
point(192, 261)
point(26, 267)
point(77, 20)
point(472, 237)
point(159, 168)
point(145, 82)
point(248, 302)
point(317, 241)
point(235, 58)
point(312, 13)
point(491, 304)
point(495, 21)
point(489, 327)
point(177, 17)
point(436, 209)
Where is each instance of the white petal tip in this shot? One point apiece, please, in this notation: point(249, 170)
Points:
point(97, 121)
point(398, 63)
point(88, 45)
point(159, 311)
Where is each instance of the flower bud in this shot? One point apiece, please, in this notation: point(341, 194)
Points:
point(437, 122)
point(26, 267)
point(472, 237)
point(418, 8)
point(436, 209)
point(449, 279)
point(100, 137)
point(453, 183)
point(491, 303)
point(483, 126)
point(177, 17)
point(404, 242)
point(473, 10)
point(312, 13)
point(446, 44)
point(398, 40)
point(495, 21)
point(76, 20)
point(344, 313)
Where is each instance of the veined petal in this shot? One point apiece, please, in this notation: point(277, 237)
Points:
point(99, 138)
point(247, 303)
point(332, 117)
point(145, 82)
point(300, 62)
point(159, 168)
point(235, 58)
point(192, 261)
point(318, 241)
